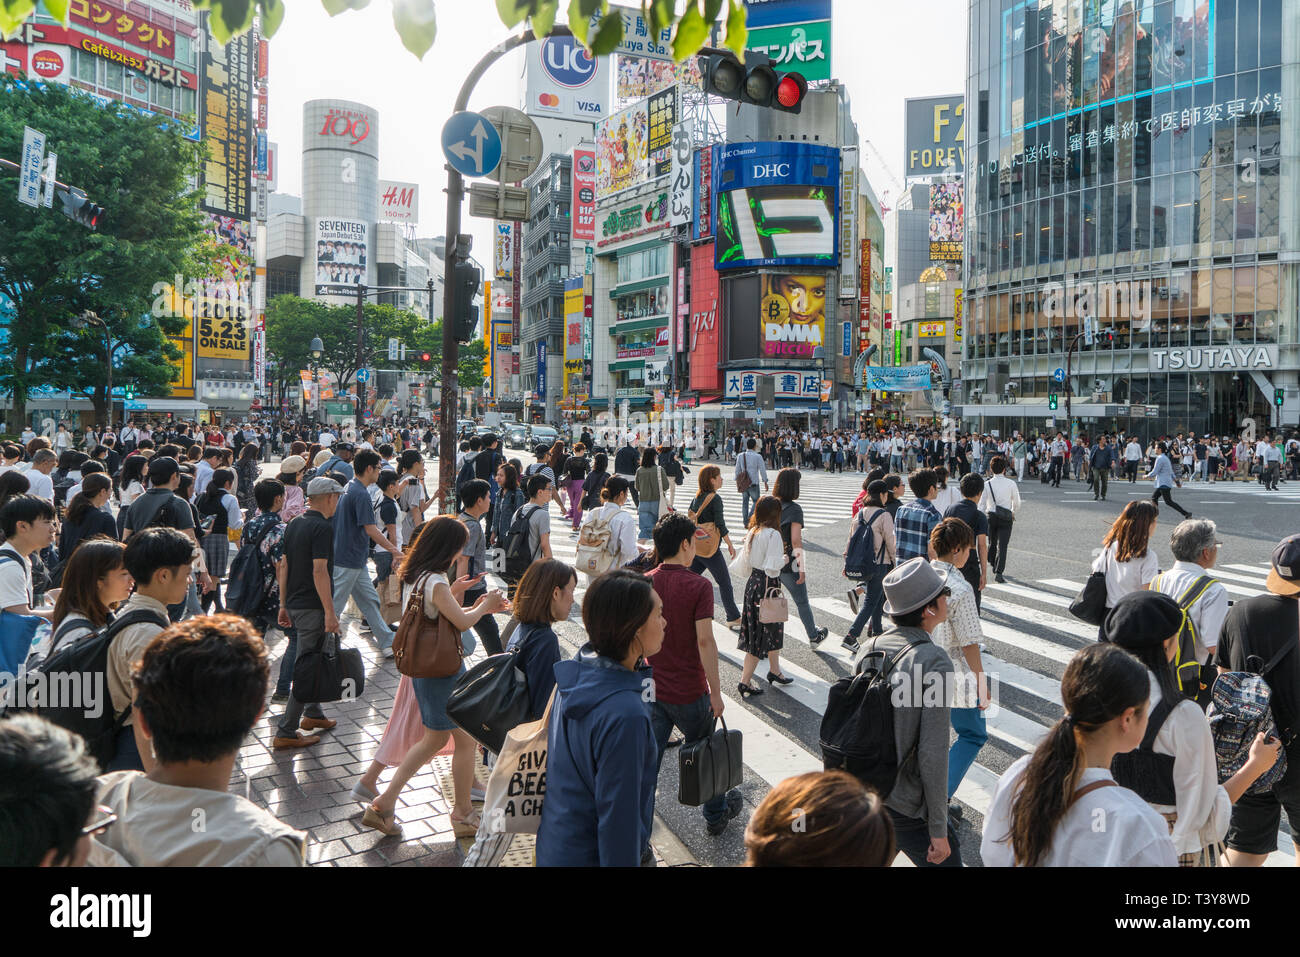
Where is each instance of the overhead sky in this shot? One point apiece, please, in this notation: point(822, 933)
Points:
point(884, 51)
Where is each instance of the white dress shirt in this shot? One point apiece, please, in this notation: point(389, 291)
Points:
point(765, 550)
point(948, 495)
point(1209, 611)
point(1123, 578)
point(1131, 833)
point(202, 476)
point(1006, 492)
point(40, 485)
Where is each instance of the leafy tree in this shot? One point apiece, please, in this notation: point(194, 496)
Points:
point(53, 269)
point(417, 25)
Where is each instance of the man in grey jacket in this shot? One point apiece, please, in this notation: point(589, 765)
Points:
point(749, 461)
point(916, 599)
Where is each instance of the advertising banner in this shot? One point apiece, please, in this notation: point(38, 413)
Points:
point(787, 384)
point(946, 218)
point(399, 202)
point(864, 297)
point(111, 20)
point(573, 318)
point(848, 221)
point(634, 145)
point(929, 330)
point(956, 315)
point(541, 370)
point(584, 194)
point(502, 364)
point(44, 36)
point(764, 13)
point(226, 115)
point(934, 135)
point(898, 379)
point(639, 76)
point(702, 197)
point(564, 81)
point(803, 48)
point(780, 205)
point(503, 260)
point(656, 373)
point(223, 328)
point(683, 171)
point(641, 216)
point(702, 324)
point(341, 248)
point(793, 315)
point(182, 383)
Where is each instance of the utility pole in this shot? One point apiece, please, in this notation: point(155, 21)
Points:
point(361, 386)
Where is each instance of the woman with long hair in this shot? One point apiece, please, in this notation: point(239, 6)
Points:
point(86, 517)
point(544, 596)
point(594, 482)
point(573, 478)
point(652, 489)
point(602, 756)
point(220, 504)
point(131, 479)
point(1127, 558)
point(426, 567)
point(1046, 806)
point(510, 499)
point(95, 581)
point(247, 468)
point(1174, 769)
point(705, 507)
point(760, 561)
point(794, 573)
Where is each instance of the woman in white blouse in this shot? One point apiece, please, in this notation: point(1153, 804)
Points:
point(760, 562)
point(960, 635)
point(1032, 823)
point(1174, 768)
point(622, 526)
point(1127, 558)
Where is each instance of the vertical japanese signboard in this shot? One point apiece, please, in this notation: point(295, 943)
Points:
point(681, 194)
point(848, 221)
point(864, 297)
point(702, 203)
point(226, 111)
point(584, 194)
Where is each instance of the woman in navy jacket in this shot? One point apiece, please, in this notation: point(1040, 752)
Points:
point(544, 596)
point(601, 763)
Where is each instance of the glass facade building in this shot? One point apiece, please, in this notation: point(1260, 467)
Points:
point(1131, 171)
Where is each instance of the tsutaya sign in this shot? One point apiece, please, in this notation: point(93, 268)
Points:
point(1246, 358)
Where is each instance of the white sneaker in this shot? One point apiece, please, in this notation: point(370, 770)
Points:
point(387, 652)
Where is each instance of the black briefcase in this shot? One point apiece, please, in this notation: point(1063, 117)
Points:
point(710, 766)
point(329, 673)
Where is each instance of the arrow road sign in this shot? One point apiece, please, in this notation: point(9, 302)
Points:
point(363, 375)
point(1058, 375)
point(471, 144)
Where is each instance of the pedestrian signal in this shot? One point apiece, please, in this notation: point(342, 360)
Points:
point(1279, 397)
point(1051, 401)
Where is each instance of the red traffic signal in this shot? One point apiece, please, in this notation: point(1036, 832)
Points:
point(424, 357)
point(756, 82)
point(790, 91)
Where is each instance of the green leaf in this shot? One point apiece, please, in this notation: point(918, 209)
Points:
point(711, 10)
point(580, 19)
point(512, 12)
point(416, 24)
point(543, 18)
point(335, 7)
point(737, 31)
point(272, 16)
point(609, 34)
point(660, 15)
point(58, 9)
point(690, 34)
point(235, 15)
point(13, 13)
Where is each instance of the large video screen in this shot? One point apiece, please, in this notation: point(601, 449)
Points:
point(792, 314)
point(776, 225)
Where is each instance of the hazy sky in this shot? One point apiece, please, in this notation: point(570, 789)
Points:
point(884, 51)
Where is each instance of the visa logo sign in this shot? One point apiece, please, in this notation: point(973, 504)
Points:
point(588, 106)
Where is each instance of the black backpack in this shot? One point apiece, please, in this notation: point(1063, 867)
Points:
point(862, 558)
point(246, 586)
point(518, 555)
point(62, 482)
point(857, 731)
point(83, 665)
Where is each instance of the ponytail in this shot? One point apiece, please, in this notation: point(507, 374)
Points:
point(1101, 682)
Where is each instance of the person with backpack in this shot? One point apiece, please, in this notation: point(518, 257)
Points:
point(218, 503)
point(159, 560)
point(592, 485)
point(1047, 805)
point(626, 461)
point(873, 559)
point(544, 597)
point(27, 523)
point(254, 590)
point(1260, 637)
point(1195, 545)
point(95, 581)
point(86, 516)
point(899, 665)
point(706, 509)
point(510, 499)
point(340, 460)
point(1174, 768)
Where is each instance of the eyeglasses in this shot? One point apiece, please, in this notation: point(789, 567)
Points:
point(104, 816)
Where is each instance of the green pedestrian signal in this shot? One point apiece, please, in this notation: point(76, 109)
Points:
point(1051, 401)
point(1279, 397)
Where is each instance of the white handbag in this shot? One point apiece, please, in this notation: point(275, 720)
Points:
point(741, 566)
point(513, 800)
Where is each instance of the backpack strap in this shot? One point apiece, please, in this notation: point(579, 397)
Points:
point(1195, 591)
point(1089, 788)
point(1156, 721)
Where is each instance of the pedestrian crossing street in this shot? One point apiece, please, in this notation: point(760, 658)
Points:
point(1288, 493)
point(1027, 621)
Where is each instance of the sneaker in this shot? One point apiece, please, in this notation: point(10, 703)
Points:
point(850, 644)
point(854, 599)
point(387, 651)
point(818, 637)
point(999, 579)
point(735, 804)
point(280, 697)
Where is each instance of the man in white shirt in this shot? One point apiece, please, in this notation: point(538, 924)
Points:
point(896, 453)
point(1132, 456)
point(27, 434)
point(1261, 449)
point(999, 492)
point(1195, 545)
point(327, 438)
point(204, 469)
point(62, 439)
point(28, 526)
point(1058, 459)
point(38, 476)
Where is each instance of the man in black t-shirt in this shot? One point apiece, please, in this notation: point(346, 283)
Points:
point(1255, 631)
point(976, 569)
point(307, 588)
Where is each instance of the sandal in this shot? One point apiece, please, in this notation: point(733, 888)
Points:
point(384, 823)
point(466, 827)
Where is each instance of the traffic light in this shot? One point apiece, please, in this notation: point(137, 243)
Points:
point(1279, 397)
point(754, 81)
point(467, 278)
point(78, 208)
point(1051, 401)
point(130, 393)
point(424, 357)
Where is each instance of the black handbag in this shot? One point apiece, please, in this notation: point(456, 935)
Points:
point(490, 699)
point(1004, 514)
point(1090, 604)
point(709, 767)
point(329, 673)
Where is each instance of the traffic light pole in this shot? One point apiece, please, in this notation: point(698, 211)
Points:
point(1069, 357)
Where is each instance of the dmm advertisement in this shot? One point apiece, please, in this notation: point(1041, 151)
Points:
point(793, 315)
point(340, 256)
point(778, 205)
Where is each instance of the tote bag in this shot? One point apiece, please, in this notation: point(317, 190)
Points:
point(512, 803)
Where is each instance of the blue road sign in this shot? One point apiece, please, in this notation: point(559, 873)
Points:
point(1058, 375)
point(363, 375)
point(471, 144)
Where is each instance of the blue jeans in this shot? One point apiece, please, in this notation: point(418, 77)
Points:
point(800, 595)
point(383, 564)
point(647, 514)
point(874, 592)
point(971, 735)
point(695, 721)
point(716, 565)
point(356, 582)
point(748, 500)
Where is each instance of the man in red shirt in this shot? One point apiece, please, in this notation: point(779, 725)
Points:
point(687, 692)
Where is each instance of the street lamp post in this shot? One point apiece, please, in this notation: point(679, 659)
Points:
point(819, 354)
point(92, 319)
point(316, 348)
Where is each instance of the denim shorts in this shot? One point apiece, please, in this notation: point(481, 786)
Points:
point(432, 694)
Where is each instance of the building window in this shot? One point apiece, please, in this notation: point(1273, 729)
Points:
point(187, 102)
point(113, 77)
point(184, 50)
point(86, 66)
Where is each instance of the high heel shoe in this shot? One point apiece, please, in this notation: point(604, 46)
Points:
point(747, 690)
point(779, 679)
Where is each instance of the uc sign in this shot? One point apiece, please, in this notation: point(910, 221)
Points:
point(566, 62)
point(348, 124)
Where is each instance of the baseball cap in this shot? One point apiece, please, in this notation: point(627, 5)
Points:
point(323, 485)
point(344, 447)
point(1284, 579)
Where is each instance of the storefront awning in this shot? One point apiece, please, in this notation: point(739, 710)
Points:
point(709, 408)
point(167, 405)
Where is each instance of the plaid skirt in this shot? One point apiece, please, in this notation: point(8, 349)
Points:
point(216, 551)
point(1207, 856)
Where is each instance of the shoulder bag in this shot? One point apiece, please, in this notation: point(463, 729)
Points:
point(1090, 604)
point(1004, 514)
point(329, 673)
point(516, 790)
point(773, 608)
point(489, 699)
point(709, 767)
point(707, 546)
point(426, 647)
point(743, 481)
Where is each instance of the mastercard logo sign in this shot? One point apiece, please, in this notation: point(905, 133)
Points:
point(47, 63)
point(548, 99)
